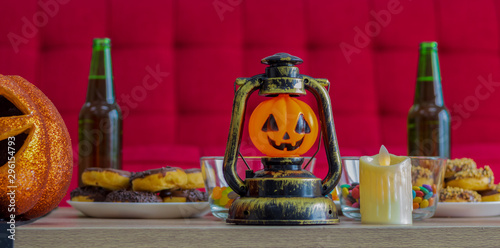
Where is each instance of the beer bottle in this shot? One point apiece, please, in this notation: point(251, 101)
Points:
point(428, 119)
point(100, 120)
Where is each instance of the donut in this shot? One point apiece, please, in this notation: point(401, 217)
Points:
point(189, 195)
point(159, 179)
point(491, 195)
point(132, 196)
point(89, 194)
point(421, 175)
point(453, 194)
point(474, 179)
point(107, 178)
point(456, 165)
point(194, 179)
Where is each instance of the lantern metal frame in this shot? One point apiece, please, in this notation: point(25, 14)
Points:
point(282, 193)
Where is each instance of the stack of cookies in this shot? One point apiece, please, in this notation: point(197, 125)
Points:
point(464, 182)
point(167, 184)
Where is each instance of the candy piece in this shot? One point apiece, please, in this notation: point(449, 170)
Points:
point(434, 188)
point(217, 193)
point(345, 186)
point(417, 200)
point(228, 204)
point(223, 196)
point(416, 188)
point(223, 200)
point(351, 198)
point(355, 193)
point(413, 193)
point(424, 190)
point(424, 204)
point(427, 186)
point(335, 198)
point(357, 187)
point(345, 192)
point(226, 190)
point(420, 193)
point(415, 205)
point(334, 195)
point(350, 194)
point(431, 201)
point(428, 195)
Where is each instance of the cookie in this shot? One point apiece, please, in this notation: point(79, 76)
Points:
point(132, 196)
point(190, 195)
point(89, 194)
point(454, 194)
point(107, 178)
point(159, 179)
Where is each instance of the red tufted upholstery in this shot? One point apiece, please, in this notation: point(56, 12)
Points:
point(175, 63)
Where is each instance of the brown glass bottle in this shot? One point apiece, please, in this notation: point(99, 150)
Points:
point(100, 120)
point(429, 119)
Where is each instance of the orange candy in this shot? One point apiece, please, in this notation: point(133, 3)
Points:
point(228, 204)
point(217, 193)
point(415, 205)
point(334, 195)
point(431, 201)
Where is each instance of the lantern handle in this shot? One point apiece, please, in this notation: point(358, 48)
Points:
point(320, 133)
point(247, 87)
point(317, 87)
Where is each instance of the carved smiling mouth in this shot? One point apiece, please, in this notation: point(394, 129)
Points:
point(287, 146)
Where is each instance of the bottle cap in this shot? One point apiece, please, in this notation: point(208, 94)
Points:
point(102, 43)
point(429, 45)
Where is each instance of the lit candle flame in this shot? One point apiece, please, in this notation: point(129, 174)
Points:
point(384, 158)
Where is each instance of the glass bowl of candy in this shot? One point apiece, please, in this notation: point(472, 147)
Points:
point(221, 196)
point(427, 179)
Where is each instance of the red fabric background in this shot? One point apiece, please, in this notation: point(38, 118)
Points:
point(204, 45)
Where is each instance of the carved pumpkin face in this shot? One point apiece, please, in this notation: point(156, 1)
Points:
point(283, 126)
point(41, 148)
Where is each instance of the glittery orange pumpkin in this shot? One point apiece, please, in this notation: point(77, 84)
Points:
point(40, 172)
point(283, 126)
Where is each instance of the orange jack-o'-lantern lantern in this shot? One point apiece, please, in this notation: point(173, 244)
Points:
point(283, 126)
point(35, 151)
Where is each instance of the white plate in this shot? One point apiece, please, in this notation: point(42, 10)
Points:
point(467, 209)
point(161, 210)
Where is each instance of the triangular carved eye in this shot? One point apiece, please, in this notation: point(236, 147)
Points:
point(7, 108)
point(270, 124)
point(302, 126)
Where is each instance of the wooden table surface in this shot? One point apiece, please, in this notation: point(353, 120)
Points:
point(66, 227)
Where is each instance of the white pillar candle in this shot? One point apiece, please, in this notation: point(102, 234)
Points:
point(385, 189)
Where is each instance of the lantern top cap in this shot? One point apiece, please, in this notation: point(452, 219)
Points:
point(282, 59)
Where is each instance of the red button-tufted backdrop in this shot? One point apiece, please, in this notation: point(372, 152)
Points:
point(175, 63)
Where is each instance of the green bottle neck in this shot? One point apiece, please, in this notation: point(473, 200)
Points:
point(100, 86)
point(429, 89)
